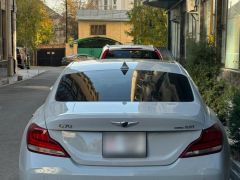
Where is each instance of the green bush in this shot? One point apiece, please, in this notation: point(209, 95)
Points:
point(204, 68)
point(234, 124)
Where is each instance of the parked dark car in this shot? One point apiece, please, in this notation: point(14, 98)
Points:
point(76, 57)
point(23, 58)
point(20, 60)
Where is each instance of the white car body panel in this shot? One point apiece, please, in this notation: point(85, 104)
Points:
point(97, 65)
point(170, 128)
point(97, 116)
point(85, 148)
point(41, 167)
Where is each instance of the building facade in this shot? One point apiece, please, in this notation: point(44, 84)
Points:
point(106, 21)
point(104, 25)
point(218, 21)
point(109, 19)
point(115, 4)
point(7, 39)
point(110, 4)
point(111, 24)
point(187, 19)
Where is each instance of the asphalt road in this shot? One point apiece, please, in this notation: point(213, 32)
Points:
point(17, 104)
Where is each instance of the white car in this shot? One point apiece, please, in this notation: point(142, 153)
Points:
point(130, 52)
point(124, 120)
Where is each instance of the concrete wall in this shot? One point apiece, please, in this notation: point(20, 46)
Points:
point(114, 30)
point(8, 37)
point(231, 76)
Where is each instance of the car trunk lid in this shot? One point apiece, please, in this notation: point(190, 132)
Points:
point(100, 116)
point(169, 127)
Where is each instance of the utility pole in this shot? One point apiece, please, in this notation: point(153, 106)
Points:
point(9, 38)
point(66, 21)
point(14, 34)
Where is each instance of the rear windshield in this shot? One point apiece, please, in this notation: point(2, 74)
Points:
point(131, 85)
point(131, 54)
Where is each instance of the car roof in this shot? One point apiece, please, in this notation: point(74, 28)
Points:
point(112, 64)
point(118, 47)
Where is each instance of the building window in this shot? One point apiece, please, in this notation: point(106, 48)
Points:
point(233, 36)
point(114, 4)
point(98, 30)
point(105, 4)
point(192, 26)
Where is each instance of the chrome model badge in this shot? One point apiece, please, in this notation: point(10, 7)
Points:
point(125, 124)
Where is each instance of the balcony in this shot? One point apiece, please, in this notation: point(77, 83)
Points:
point(165, 4)
point(103, 15)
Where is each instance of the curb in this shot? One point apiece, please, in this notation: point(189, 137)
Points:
point(19, 78)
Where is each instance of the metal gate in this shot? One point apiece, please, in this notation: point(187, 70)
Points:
point(93, 45)
point(50, 56)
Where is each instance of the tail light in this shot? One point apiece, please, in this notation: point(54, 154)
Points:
point(104, 55)
point(39, 141)
point(158, 54)
point(210, 142)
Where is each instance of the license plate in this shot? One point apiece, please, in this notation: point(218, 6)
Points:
point(124, 145)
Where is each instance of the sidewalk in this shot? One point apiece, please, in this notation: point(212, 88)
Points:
point(23, 74)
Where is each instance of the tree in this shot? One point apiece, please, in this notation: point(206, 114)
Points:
point(149, 25)
point(204, 68)
point(34, 27)
point(45, 32)
point(91, 4)
point(72, 10)
point(72, 19)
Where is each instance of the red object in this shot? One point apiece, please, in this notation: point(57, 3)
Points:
point(159, 54)
point(105, 54)
point(39, 141)
point(210, 142)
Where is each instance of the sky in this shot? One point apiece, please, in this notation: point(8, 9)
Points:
point(53, 4)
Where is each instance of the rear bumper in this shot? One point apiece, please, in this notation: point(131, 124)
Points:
point(41, 167)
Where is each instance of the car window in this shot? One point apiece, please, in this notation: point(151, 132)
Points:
point(132, 54)
point(131, 85)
